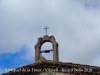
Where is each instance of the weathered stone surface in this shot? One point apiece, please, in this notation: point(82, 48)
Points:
point(41, 67)
point(41, 41)
point(42, 59)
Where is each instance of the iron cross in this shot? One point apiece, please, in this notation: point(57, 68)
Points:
point(46, 29)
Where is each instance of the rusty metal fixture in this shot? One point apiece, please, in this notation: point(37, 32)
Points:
point(46, 51)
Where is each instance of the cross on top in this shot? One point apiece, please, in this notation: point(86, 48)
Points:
point(46, 29)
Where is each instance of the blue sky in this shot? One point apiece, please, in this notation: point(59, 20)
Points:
point(12, 61)
point(74, 23)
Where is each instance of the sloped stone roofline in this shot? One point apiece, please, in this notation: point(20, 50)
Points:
point(54, 64)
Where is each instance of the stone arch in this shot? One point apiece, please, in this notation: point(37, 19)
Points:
point(41, 41)
point(47, 46)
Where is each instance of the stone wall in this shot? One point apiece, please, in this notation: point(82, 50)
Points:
point(60, 73)
point(56, 74)
point(48, 65)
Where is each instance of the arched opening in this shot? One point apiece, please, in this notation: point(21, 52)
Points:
point(47, 46)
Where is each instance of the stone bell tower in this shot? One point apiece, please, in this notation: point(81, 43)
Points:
point(41, 41)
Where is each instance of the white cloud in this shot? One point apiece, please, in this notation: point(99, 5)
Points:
point(75, 28)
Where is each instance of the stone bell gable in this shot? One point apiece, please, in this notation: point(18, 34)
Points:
point(40, 42)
